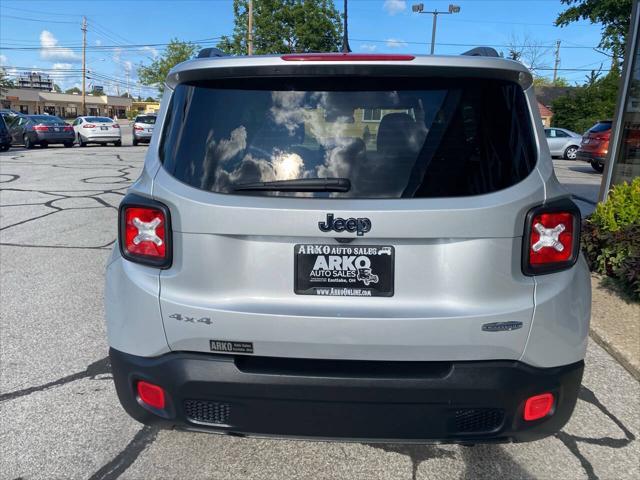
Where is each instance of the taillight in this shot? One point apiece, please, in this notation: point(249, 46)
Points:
point(538, 406)
point(68, 128)
point(88, 125)
point(41, 128)
point(151, 395)
point(115, 125)
point(551, 238)
point(145, 231)
point(138, 128)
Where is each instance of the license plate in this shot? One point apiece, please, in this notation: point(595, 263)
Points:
point(150, 130)
point(56, 129)
point(344, 271)
point(104, 128)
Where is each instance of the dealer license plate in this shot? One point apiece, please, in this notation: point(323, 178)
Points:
point(344, 271)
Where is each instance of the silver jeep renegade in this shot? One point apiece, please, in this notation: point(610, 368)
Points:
point(346, 246)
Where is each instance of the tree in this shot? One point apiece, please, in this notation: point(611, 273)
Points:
point(73, 90)
point(588, 104)
point(56, 88)
point(150, 99)
point(546, 82)
point(530, 52)
point(614, 15)
point(5, 82)
point(285, 26)
point(175, 53)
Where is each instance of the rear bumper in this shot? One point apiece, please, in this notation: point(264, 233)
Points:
point(459, 402)
point(53, 138)
point(590, 156)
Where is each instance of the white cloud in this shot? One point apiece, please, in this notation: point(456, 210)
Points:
point(152, 51)
point(98, 42)
point(62, 66)
point(50, 50)
point(368, 47)
point(394, 6)
point(395, 43)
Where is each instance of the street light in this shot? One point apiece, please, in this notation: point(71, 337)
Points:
point(419, 8)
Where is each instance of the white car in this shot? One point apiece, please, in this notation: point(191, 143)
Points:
point(101, 130)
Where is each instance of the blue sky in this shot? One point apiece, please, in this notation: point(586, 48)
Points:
point(29, 30)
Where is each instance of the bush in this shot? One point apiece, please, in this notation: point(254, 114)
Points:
point(611, 237)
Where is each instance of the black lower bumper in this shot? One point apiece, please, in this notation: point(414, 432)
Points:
point(463, 402)
point(589, 157)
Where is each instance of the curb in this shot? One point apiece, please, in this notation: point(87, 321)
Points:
point(616, 353)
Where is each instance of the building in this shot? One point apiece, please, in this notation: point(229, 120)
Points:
point(546, 114)
point(623, 161)
point(35, 80)
point(146, 107)
point(32, 101)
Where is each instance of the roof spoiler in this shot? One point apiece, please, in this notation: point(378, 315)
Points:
point(482, 52)
point(211, 52)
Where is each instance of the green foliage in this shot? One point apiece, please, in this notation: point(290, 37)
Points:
point(614, 15)
point(175, 53)
point(546, 82)
point(73, 90)
point(611, 237)
point(56, 88)
point(150, 99)
point(621, 209)
point(285, 26)
point(5, 82)
point(586, 105)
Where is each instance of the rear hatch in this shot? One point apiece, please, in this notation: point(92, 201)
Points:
point(348, 212)
point(144, 125)
point(100, 127)
point(596, 139)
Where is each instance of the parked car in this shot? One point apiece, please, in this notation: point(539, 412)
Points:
point(5, 137)
point(275, 274)
point(562, 142)
point(43, 130)
point(143, 128)
point(595, 145)
point(100, 130)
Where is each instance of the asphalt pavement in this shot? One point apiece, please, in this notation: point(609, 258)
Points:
point(59, 415)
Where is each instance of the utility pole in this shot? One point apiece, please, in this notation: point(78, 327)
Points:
point(84, 64)
point(557, 63)
point(419, 8)
point(250, 30)
point(345, 33)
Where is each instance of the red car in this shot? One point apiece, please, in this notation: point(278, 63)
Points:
point(595, 145)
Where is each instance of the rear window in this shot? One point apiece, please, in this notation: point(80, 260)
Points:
point(98, 119)
point(147, 120)
point(47, 119)
point(600, 127)
point(390, 138)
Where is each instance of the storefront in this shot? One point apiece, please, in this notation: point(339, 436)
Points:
point(623, 163)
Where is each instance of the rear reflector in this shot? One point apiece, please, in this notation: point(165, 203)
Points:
point(144, 231)
point(345, 57)
point(552, 238)
point(151, 395)
point(538, 407)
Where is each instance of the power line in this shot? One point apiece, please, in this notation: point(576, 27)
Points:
point(37, 20)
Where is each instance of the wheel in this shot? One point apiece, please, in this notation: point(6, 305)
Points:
point(118, 143)
point(27, 142)
point(598, 167)
point(81, 142)
point(571, 153)
point(4, 147)
point(44, 145)
point(68, 144)
point(135, 142)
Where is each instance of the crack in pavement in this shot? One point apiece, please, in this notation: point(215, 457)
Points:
point(99, 367)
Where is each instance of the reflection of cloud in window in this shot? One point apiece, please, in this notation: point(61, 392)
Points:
point(217, 154)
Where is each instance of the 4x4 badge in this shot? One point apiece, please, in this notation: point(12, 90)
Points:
point(359, 225)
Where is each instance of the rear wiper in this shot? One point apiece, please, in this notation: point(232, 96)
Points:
point(298, 185)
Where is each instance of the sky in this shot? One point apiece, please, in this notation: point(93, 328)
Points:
point(122, 34)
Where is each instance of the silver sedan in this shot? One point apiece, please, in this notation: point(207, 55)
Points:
point(562, 142)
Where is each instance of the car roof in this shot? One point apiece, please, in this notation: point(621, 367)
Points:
point(348, 64)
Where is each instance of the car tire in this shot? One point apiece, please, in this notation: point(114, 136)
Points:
point(598, 167)
point(68, 144)
point(44, 145)
point(118, 143)
point(135, 142)
point(571, 152)
point(81, 142)
point(4, 148)
point(27, 142)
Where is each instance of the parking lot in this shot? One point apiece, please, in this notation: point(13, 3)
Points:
point(60, 417)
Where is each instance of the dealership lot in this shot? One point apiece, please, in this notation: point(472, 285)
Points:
point(59, 415)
